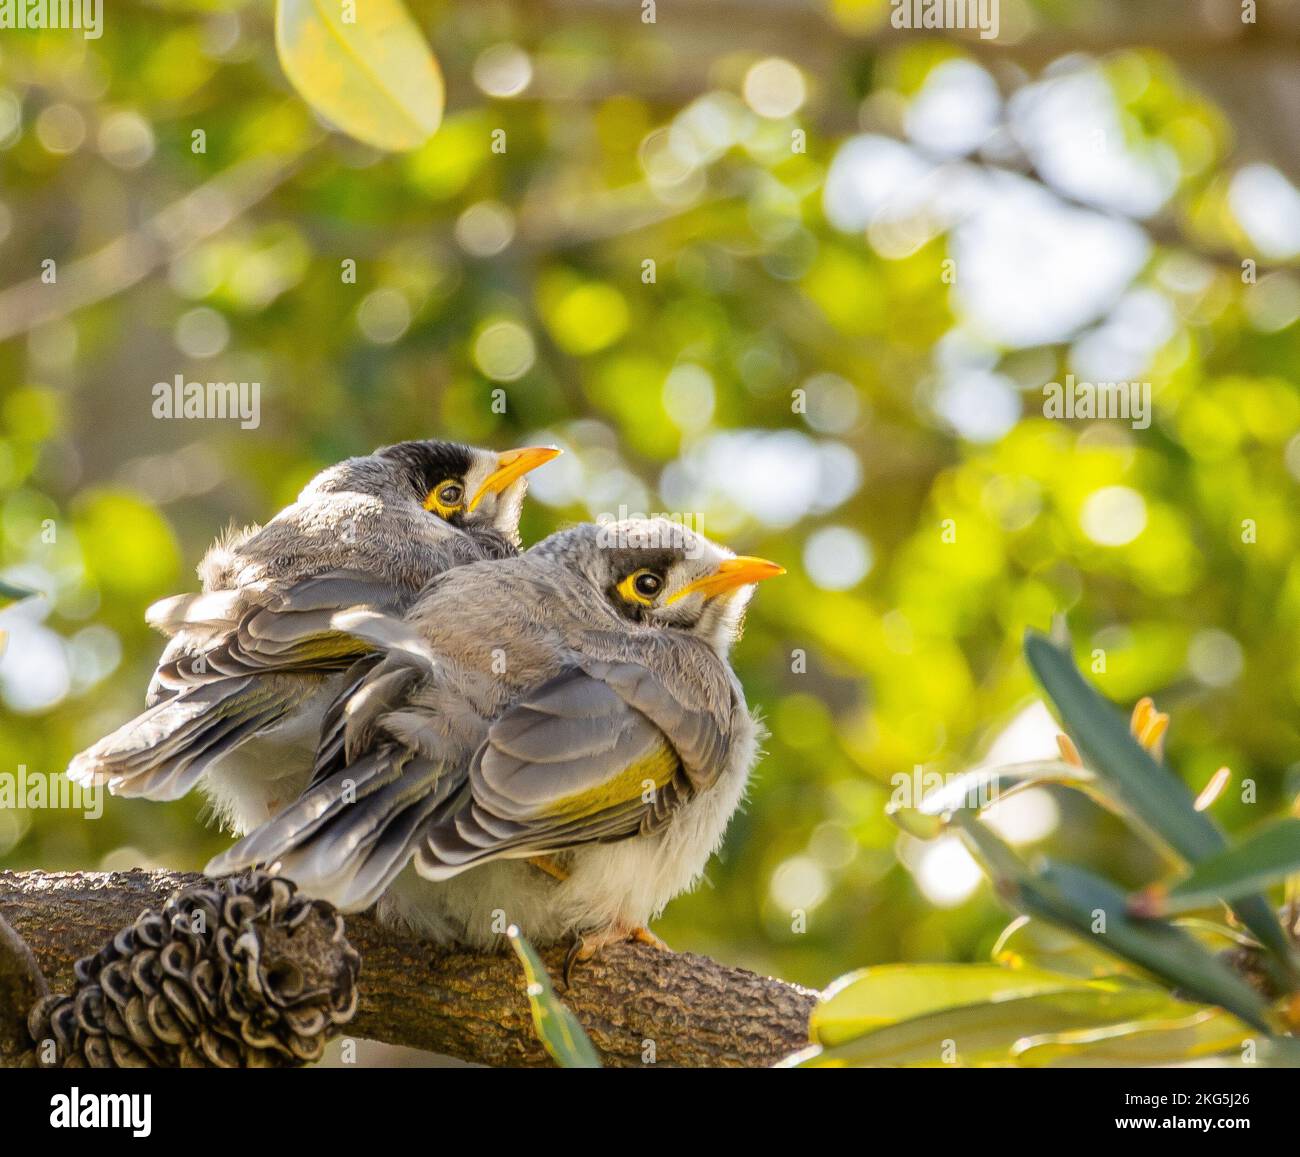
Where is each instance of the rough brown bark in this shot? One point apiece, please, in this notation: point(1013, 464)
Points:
point(640, 1005)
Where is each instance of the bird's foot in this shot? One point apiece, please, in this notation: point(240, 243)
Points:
point(583, 948)
point(643, 935)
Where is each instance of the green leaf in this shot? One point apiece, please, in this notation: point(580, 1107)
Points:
point(12, 593)
point(1040, 944)
point(985, 786)
point(871, 998)
point(1157, 797)
point(375, 77)
point(557, 1028)
point(988, 1032)
point(1096, 909)
point(1265, 858)
point(915, 822)
point(988, 785)
point(1186, 1032)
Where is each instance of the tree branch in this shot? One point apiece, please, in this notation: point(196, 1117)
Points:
point(640, 1005)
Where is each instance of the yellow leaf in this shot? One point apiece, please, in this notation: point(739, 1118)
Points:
point(373, 76)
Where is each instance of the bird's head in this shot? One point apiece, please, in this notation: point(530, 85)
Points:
point(658, 573)
point(465, 486)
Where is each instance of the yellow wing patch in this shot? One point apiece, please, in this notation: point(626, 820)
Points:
point(651, 773)
point(335, 645)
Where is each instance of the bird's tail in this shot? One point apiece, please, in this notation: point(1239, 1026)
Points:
point(161, 753)
point(350, 834)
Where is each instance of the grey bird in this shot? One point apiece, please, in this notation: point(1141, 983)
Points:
point(556, 741)
point(254, 656)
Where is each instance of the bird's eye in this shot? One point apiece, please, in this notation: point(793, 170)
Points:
point(445, 498)
point(641, 586)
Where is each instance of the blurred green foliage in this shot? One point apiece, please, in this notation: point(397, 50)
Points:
point(894, 641)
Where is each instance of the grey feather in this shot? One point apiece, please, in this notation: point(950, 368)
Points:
point(516, 712)
point(162, 752)
point(385, 633)
point(358, 536)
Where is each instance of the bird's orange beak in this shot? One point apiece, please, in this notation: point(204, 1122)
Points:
point(731, 575)
point(511, 465)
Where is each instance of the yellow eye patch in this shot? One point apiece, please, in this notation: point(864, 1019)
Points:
point(446, 498)
point(641, 586)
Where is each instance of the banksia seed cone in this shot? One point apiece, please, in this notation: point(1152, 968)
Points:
point(232, 973)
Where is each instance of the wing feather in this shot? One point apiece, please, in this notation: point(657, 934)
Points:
point(600, 752)
point(579, 759)
point(237, 662)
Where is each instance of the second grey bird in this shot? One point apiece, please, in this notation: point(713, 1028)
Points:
point(254, 656)
point(573, 707)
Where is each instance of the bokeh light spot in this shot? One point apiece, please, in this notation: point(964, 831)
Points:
point(201, 332)
point(774, 88)
point(384, 315)
point(503, 70)
point(504, 351)
point(837, 558)
point(1113, 515)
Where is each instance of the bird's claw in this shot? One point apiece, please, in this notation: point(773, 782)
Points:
point(571, 959)
point(584, 948)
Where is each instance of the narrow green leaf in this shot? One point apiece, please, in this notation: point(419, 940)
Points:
point(1185, 1032)
point(374, 76)
point(1040, 944)
point(1263, 859)
point(871, 998)
point(12, 593)
point(987, 1032)
point(557, 1028)
point(1096, 909)
point(1154, 793)
point(987, 785)
point(915, 822)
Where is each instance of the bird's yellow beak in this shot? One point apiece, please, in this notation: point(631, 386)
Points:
point(732, 574)
point(511, 465)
